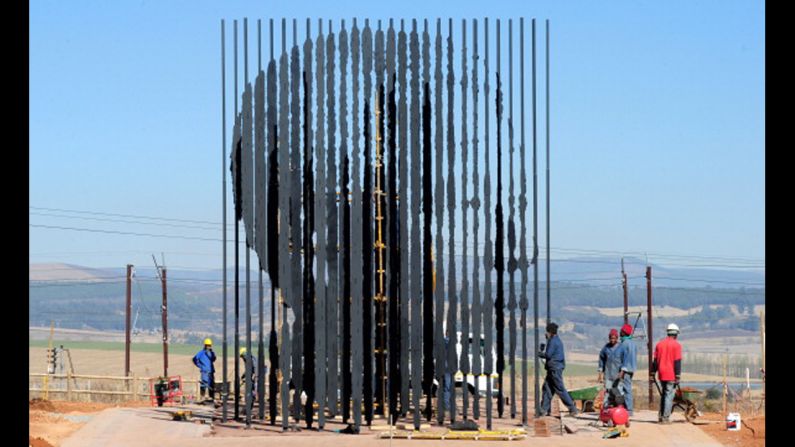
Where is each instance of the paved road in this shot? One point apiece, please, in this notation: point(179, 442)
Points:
point(138, 427)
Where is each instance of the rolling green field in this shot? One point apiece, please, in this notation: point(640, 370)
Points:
point(118, 346)
point(572, 369)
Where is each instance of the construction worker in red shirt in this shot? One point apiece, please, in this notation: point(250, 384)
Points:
point(668, 366)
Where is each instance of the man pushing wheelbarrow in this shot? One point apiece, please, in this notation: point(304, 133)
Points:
point(668, 366)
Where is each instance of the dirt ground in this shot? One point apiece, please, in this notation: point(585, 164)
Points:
point(49, 422)
point(746, 437)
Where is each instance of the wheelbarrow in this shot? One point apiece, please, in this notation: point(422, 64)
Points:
point(684, 399)
point(586, 396)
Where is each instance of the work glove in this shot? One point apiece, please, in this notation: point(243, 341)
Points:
point(676, 381)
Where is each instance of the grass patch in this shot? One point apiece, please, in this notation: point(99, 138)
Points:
point(179, 349)
point(572, 369)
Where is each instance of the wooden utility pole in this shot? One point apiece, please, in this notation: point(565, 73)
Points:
point(626, 292)
point(762, 334)
point(725, 386)
point(164, 311)
point(128, 308)
point(50, 361)
point(650, 337)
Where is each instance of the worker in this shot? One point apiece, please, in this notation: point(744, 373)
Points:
point(668, 366)
point(245, 356)
point(447, 386)
point(204, 360)
point(608, 364)
point(627, 357)
point(555, 364)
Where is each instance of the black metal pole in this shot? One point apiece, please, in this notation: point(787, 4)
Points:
point(237, 275)
point(477, 313)
point(465, 203)
point(224, 390)
point(500, 248)
point(549, 283)
point(367, 231)
point(249, 211)
point(535, 229)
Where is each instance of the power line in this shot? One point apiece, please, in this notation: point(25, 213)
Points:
point(98, 213)
point(481, 246)
point(93, 230)
point(711, 281)
point(99, 219)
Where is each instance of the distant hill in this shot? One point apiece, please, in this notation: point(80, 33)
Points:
point(586, 295)
point(68, 272)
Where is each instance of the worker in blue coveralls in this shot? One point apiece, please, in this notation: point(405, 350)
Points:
point(627, 354)
point(555, 364)
point(608, 363)
point(204, 360)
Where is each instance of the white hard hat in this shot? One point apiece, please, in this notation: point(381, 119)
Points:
point(673, 328)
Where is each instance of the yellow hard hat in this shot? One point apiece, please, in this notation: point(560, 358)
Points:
point(242, 351)
point(207, 341)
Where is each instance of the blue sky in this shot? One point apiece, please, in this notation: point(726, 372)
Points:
point(657, 122)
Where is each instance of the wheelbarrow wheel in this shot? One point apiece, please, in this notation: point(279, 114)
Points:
point(681, 407)
point(691, 413)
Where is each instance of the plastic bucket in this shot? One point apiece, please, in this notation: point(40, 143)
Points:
point(733, 422)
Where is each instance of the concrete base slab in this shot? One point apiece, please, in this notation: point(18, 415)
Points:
point(137, 427)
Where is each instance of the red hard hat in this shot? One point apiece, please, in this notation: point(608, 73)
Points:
point(620, 416)
point(613, 332)
point(626, 329)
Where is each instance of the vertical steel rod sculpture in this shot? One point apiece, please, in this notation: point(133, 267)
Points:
point(238, 216)
point(535, 226)
point(500, 248)
point(248, 213)
point(224, 391)
point(512, 261)
point(344, 298)
point(352, 283)
point(285, 198)
point(356, 229)
point(299, 280)
point(260, 219)
point(277, 241)
point(367, 233)
point(329, 373)
point(549, 283)
point(393, 276)
point(488, 255)
point(427, 211)
point(333, 297)
point(452, 312)
point(416, 256)
point(321, 199)
point(403, 226)
point(523, 302)
point(466, 336)
point(378, 194)
point(438, 286)
point(345, 222)
point(308, 229)
point(477, 315)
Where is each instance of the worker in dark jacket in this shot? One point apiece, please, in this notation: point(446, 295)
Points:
point(555, 364)
point(204, 360)
point(627, 355)
point(247, 359)
point(668, 365)
point(608, 363)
